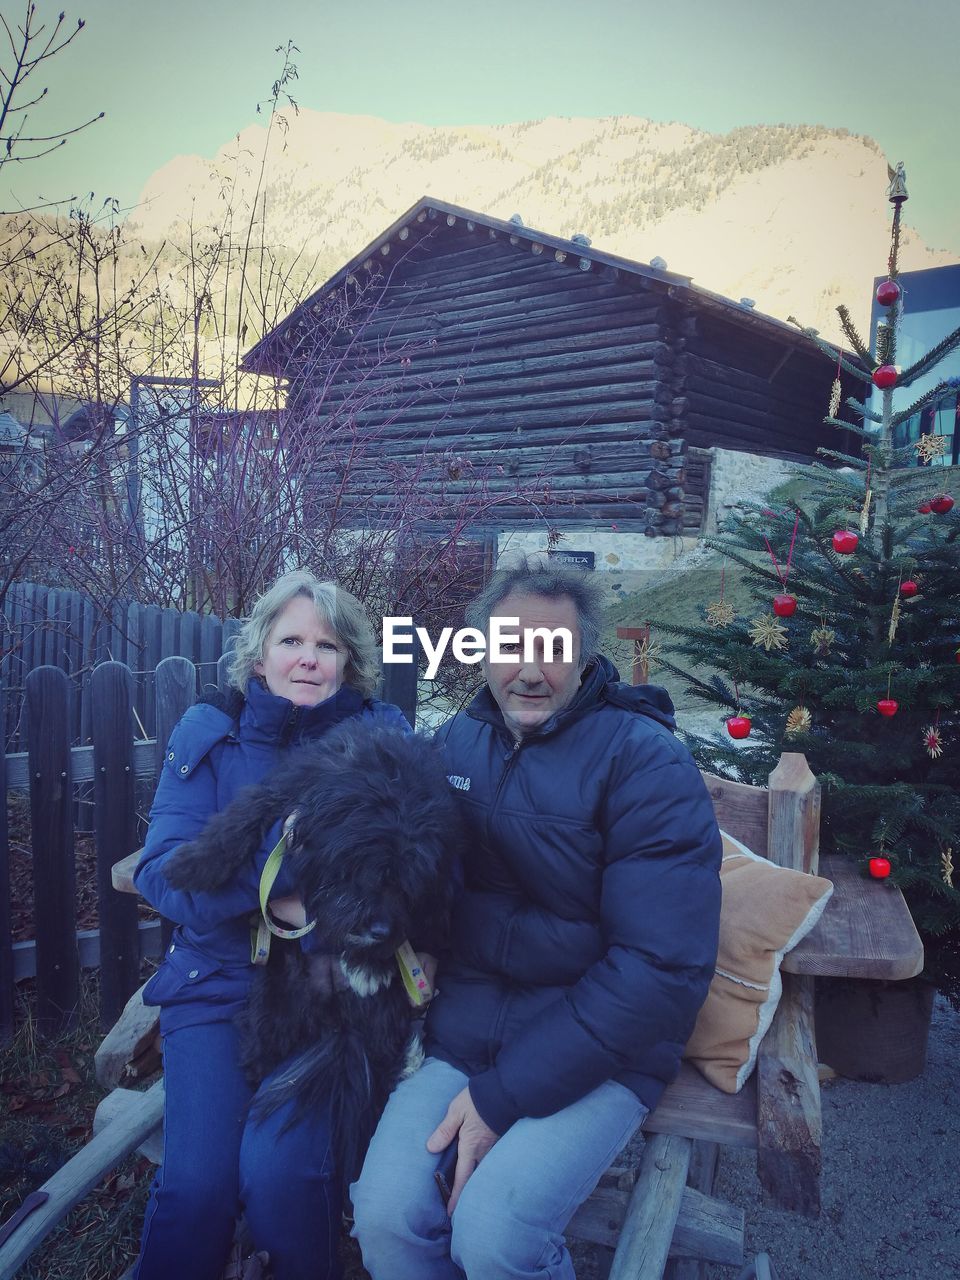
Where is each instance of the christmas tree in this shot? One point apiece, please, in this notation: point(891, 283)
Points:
point(851, 653)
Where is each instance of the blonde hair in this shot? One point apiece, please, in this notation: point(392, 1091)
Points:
point(335, 606)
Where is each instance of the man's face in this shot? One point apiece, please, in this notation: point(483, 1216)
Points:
point(529, 693)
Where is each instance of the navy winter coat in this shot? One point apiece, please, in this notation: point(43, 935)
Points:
point(586, 936)
point(206, 973)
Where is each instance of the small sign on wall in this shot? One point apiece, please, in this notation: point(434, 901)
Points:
point(572, 559)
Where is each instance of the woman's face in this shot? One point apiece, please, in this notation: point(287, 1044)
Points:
point(303, 657)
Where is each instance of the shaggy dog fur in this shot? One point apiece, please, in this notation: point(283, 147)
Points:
point(371, 853)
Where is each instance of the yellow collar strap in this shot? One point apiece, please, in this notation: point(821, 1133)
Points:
point(264, 926)
point(414, 979)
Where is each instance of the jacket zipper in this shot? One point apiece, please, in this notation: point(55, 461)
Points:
point(494, 1038)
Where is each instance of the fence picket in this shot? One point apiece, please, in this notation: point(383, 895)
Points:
point(6, 933)
point(115, 827)
point(211, 642)
point(152, 654)
point(54, 874)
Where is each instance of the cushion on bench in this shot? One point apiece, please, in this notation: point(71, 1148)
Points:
point(766, 910)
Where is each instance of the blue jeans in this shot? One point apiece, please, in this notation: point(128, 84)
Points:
point(509, 1222)
point(217, 1161)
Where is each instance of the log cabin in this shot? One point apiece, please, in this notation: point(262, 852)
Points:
point(597, 384)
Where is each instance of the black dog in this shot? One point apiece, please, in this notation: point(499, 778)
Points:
point(371, 852)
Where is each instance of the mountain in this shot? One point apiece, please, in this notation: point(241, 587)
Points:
point(793, 216)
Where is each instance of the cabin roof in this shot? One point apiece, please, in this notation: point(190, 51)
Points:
point(260, 358)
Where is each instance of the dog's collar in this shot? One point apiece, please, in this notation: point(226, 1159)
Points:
point(415, 981)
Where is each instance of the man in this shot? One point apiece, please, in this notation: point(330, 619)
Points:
point(582, 949)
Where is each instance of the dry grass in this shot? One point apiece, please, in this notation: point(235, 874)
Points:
point(49, 1095)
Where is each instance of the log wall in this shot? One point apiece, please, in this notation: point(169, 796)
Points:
point(461, 354)
point(548, 384)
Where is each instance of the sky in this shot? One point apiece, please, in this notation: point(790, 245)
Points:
point(183, 77)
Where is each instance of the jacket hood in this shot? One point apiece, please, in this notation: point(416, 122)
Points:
point(601, 683)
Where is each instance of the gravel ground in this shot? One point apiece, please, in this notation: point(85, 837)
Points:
point(891, 1176)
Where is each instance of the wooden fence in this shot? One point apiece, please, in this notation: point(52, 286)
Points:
point(49, 770)
point(47, 626)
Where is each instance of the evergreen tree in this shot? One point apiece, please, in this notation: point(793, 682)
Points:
point(862, 671)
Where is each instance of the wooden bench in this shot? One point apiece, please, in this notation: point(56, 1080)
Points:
point(660, 1216)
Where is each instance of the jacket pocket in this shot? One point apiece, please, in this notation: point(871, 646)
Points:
point(185, 974)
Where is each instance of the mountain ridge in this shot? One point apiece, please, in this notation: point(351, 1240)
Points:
point(793, 216)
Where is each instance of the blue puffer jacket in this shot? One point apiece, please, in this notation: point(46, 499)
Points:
point(586, 936)
point(206, 973)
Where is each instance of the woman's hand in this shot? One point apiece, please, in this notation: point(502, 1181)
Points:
point(475, 1140)
point(289, 910)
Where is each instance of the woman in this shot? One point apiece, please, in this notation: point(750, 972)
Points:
point(304, 661)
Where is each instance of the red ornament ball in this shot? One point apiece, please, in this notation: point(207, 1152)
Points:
point(924, 509)
point(908, 588)
point(784, 606)
point(738, 726)
point(845, 542)
point(941, 504)
point(885, 377)
point(888, 293)
point(879, 866)
point(888, 706)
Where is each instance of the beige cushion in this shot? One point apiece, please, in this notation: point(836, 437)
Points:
point(766, 911)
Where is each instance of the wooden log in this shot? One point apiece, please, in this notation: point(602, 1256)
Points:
point(569, 411)
point(115, 826)
point(432, 377)
point(412, 442)
point(72, 1182)
point(120, 1105)
point(7, 999)
point(54, 875)
point(644, 1244)
point(789, 1124)
point(131, 1036)
point(491, 295)
point(510, 322)
point(368, 351)
point(701, 430)
point(640, 384)
point(703, 1170)
point(706, 1228)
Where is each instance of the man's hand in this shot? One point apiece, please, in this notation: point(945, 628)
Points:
point(476, 1139)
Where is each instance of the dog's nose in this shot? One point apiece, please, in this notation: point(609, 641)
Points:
point(378, 930)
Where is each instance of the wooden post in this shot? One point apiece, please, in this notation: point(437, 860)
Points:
point(641, 643)
point(6, 934)
point(793, 824)
point(54, 873)
point(115, 826)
